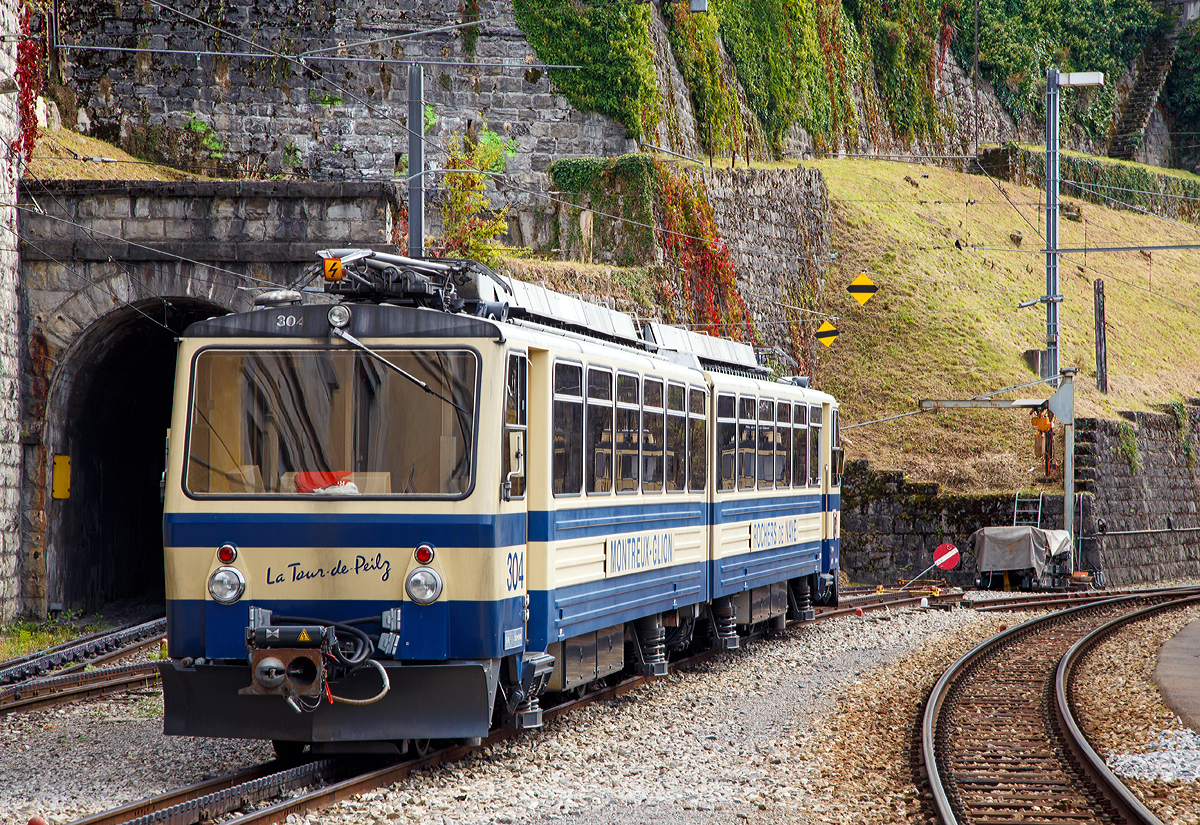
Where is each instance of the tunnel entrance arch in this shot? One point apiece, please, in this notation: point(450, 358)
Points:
point(110, 407)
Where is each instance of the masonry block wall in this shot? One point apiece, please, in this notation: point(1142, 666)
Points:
point(1144, 471)
point(10, 363)
point(100, 302)
point(1140, 476)
point(890, 526)
point(340, 118)
point(775, 224)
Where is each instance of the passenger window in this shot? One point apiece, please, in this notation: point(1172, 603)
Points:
point(515, 433)
point(726, 443)
point(598, 451)
point(697, 441)
point(652, 438)
point(766, 444)
point(568, 429)
point(629, 429)
point(676, 457)
point(747, 444)
point(814, 446)
point(800, 446)
point(783, 447)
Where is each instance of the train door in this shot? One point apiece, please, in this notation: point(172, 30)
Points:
point(827, 435)
point(514, 463)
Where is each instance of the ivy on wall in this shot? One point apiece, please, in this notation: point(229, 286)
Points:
point(1182, 89)
point(645, 193)
point(29, 84)
point(611, 43)
point(1020, 39)
point(689, 237)
point(693, 39)
point(1171, 196)
point(806, 62)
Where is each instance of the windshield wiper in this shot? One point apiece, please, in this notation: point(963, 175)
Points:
point(357, 343)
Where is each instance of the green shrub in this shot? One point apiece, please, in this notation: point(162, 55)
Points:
point(1020, 39)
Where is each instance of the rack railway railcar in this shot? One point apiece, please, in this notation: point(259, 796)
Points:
point(407, 514)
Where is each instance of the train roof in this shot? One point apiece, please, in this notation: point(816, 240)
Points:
point(395, 296)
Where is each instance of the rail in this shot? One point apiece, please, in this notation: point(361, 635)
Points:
point(1091, 761)
point(948, 686)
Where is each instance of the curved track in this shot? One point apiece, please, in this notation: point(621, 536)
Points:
point(999, 739)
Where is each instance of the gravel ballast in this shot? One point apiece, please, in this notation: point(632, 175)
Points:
point(1126, 720)
point(802, 727)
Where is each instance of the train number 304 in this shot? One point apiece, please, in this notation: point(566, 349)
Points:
point(516, 571)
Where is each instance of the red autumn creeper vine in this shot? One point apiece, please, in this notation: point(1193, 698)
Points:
point(690, 238)
point(29, 83)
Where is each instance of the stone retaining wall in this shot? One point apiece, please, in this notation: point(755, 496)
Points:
point(1139, 477)
point(1144, 471)
point(156, 255)
point(10, 362)
point(775, 224)
point(890, 526)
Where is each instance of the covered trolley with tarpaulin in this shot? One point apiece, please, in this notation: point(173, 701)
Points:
point(1023, 557)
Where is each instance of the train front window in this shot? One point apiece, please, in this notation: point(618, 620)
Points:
point(331, 422)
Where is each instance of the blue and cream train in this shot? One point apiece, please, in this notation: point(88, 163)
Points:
point(406, 514)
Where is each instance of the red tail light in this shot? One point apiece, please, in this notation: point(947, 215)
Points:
point(424, 554)
point(227, 553)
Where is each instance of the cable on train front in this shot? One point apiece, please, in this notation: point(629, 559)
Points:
point(339, 571)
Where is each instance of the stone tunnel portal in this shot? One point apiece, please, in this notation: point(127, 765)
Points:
point(104, 542)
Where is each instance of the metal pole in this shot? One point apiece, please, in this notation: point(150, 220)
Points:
point(1052, 296)
point(1101, 340)
point(1068, 386)
point(416, 161)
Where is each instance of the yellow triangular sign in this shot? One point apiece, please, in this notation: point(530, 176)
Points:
point(862, 289)
point(826, 333)
point(303, 637)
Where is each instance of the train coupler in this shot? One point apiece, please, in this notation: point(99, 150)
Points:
point(287, 661)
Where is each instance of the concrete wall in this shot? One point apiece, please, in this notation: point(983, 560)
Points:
point(10, 446)
point(1165, 485)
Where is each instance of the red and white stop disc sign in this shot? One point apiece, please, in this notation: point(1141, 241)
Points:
point(946, 556)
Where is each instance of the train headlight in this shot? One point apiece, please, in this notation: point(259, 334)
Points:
point(226, 585)
point(424, 585)
point(339, 316)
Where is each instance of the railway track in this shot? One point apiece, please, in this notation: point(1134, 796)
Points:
point(77, 654)
point(330, 781)
point(999, 738)
point(24, 685)
point(73, 687)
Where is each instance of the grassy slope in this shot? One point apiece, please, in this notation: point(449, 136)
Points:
point(59, 155)
point(944, 322)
